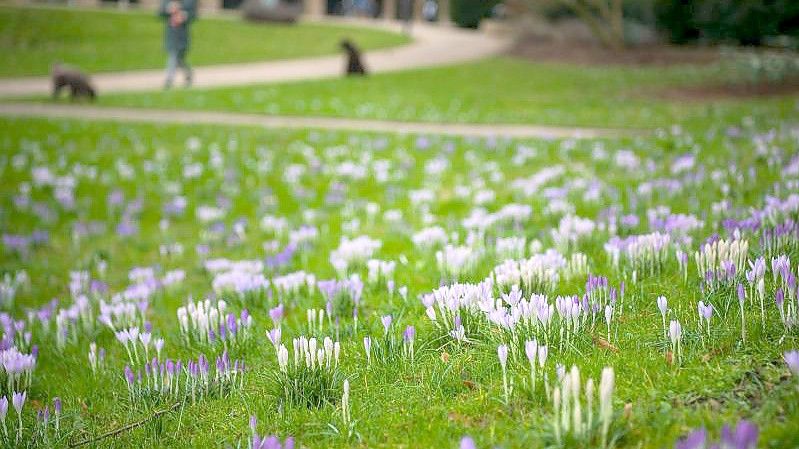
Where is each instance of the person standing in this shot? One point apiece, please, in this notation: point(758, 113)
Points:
point(178, 15)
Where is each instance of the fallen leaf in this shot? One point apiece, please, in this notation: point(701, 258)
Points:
point(445, 357)
point(468, 384)
point(604, 344)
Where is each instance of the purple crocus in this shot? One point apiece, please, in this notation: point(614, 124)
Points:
point(695, 440)
point(792, 360)
point(386, 320)
point(502, 354)
point(18, 401)
point(3, 409)
point(467, 443)
point(744, 436)
point(276, 313)
point(409, 334)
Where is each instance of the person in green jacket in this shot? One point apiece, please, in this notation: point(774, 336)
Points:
point(178, 15)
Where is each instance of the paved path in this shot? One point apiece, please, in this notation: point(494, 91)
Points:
point(85, 112)
point(432, 46)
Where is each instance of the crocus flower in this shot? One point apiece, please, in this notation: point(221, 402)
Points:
point(253, 423)
point(386, 320)
point(606, 386)
point(409, 334)
point(695, 440)
point(367, 347)
point(664, 308)
point(18, 401)
point(675, 332)
point(502, 353)
point(792, 360)
point(467, 443)
point(744, 436)
point(741, 298)
point(57, 410)
point(4, 412)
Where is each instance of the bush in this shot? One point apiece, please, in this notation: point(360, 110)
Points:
point(469, 13)
point(746, 22)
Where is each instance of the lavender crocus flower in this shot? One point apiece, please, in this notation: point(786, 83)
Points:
point(18, 401)
point(792, 360)
point(502, 353)
point(467, 443)
point(744, 436)
point(3, 412)
point(386, 320)
point(695, 440)
point(409, 334)
point(367, 346)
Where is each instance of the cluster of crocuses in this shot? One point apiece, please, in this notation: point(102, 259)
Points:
point(258, 441)
point(430, 238)
point(576, 412)
point(189, 380)
point(244, 285)
point(531, 316)
point(744, 435)
point(121, 313)
point(16, 369)
point(131, 338)
point(646, 253)
point(18, 403)
point(455, 261)
point(48, 424)
point(353, 252)
point(541, 272)
point(721, 262)
point(308, 352)
point(342, 292)
point(380, 271)
point(510, 248)
point(208, 323)
point(10, 283)
point(571, 229)
point(293, 284)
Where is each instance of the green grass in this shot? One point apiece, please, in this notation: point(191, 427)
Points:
point(32, 39)
point(449, 390)
point(500, 90)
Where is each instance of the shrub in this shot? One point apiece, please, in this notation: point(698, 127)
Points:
point(746, 22)
point(469, 13)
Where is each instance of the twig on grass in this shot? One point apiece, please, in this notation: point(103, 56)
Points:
point(125, 428)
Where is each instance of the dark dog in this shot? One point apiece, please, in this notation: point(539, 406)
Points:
point(78, 83)
point(354, 64)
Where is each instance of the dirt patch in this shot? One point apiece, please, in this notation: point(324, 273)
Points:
point(729, 91)
point(539, 49)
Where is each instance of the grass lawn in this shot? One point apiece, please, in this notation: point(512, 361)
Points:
point(492, 91)
point(135, 212)
point(32, 39)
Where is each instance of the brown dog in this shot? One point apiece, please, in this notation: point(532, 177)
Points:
point(78, 83)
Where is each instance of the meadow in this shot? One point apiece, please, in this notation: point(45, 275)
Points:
point(178, 286)
point(497, 90)
point(33, 39)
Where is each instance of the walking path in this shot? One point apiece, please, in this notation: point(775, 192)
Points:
point(340, 124)
point(432, 46)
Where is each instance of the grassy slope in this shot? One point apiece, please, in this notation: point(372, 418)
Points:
point(425, 405)
point(492, 91)
point(31, 39)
